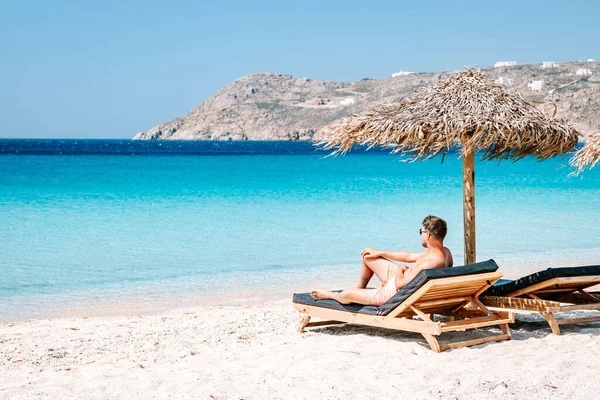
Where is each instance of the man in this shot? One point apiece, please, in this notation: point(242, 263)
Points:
point(395, 277)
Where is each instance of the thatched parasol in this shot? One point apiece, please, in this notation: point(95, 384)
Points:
point(467, 110)
point(588, 155)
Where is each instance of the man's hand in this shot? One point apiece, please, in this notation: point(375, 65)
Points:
point(371, 253)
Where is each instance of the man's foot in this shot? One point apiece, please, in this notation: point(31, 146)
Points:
point(319, 294)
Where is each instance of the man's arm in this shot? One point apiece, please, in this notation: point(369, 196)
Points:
point(402, 256)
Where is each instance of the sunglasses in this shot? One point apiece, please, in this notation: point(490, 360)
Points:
point(421, 231)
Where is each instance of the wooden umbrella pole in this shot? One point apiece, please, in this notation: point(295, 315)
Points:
point(468, 165)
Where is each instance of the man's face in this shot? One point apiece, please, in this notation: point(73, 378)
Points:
point(424, 236)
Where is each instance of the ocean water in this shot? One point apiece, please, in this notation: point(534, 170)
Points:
point(154, 223)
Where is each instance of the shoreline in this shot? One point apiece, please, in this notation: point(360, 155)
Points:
point(193, 349)
point(160, 297)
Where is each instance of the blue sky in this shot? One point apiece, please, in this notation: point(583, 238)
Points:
point(104, 69)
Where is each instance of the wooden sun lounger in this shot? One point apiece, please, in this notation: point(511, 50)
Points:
point(454, 297)
point(552, 296)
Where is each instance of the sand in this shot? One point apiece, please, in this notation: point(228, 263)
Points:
point(255, 352)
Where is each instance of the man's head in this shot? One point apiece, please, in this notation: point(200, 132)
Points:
point(433, 228)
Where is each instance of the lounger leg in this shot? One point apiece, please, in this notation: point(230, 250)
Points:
point(552, 321)
point(432, 341)
point(505, 328)
point(304, 320)
point(506, 331)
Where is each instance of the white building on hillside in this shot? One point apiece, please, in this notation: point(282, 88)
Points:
point(549, 64)
point(583, 72)
point(505, 64)
point(591, 60)
point(348, 101)
point(401, 73)
point(505, 81)
point(536, 86)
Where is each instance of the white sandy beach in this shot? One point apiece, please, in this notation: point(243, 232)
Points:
point(255, 352)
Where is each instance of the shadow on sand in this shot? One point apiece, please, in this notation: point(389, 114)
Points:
point(526, 326)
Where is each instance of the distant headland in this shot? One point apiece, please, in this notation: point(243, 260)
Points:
point(273, 106)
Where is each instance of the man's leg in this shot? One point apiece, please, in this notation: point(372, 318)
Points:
point(370, 266)
point(347, 296)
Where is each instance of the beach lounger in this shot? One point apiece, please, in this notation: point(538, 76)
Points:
point(549, 292)
point(452, 292)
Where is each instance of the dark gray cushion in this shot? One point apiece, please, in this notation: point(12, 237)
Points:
point(305, 298)
point(503, 287)
point(425, 275)
point(415, 284)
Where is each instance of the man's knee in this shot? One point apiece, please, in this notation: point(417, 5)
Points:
point(366, 260)
point(364, 257)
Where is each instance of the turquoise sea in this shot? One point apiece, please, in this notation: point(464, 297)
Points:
point(149, 224)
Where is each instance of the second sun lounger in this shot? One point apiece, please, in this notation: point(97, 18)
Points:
point(453, 292)
point(552, 291)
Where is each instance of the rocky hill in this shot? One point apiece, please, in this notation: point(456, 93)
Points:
point(272, 106)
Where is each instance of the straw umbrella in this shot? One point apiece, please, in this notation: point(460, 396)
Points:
point(465, 110)
point(588, 155)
